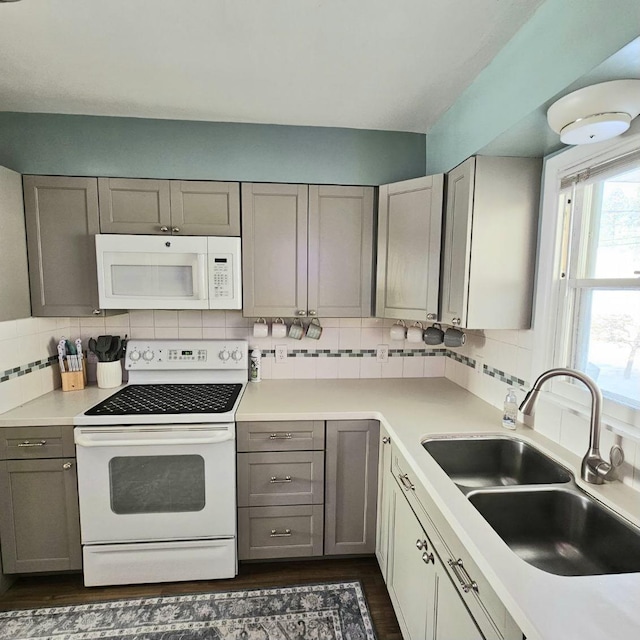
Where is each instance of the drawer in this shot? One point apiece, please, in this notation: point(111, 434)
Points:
point(280, 478)
point(280, 532)
point(487, 609)
point(284, 435)
point(23, 443)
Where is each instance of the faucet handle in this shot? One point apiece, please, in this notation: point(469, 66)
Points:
point(606, 470)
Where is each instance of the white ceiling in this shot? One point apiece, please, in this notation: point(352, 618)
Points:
point(367, 64)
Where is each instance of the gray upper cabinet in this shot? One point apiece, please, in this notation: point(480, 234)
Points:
point(61, 219)
point(307, 251)
point(134, 206)
point(14, 289)
point(409, 236)
point(274, 249)
point(489, 243)
point(351, 486)
point(205, 208)
point(172, 207)
point(340, 254)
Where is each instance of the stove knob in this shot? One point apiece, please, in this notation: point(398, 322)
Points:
point(148, 355)
point(237, 355)
point(224, 355)
point(135, 356)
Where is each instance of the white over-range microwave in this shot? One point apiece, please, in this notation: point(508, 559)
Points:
point(156, 272)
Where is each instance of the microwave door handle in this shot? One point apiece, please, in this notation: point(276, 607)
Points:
point(85, 441)
point(203, 294)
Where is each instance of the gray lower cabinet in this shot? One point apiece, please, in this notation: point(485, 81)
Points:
point(307, 250)
point(39, 517)
point(171, 207)
point(62, 218)
point(304, 493)
point(351, 486)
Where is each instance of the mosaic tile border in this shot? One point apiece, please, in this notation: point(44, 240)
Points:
point(25, 369)
point(507, 378)
point(356, 353)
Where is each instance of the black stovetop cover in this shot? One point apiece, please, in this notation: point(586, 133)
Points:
point(149, 399)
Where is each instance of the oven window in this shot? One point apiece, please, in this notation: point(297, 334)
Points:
point(157, 484)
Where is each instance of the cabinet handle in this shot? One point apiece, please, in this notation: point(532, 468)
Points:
point(421, 544)
point(67, 465)
point(456, 321)
point(96, 312)
point(276, 480)
point(280, 534)
point(26, 443)
point(428, 557)
point(313, 312)
point(432, 316)
point(464, 578)
point(280, 436)
point(164, 229)
point(386, 439)
point(302, 313)
point(175, 229)
point(406, 482)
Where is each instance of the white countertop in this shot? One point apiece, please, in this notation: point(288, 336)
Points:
point(545, 606)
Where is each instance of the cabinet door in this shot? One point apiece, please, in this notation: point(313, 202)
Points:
point(411, 581)
point(205, 208)
point(351, 484)
point(134, 206)
point(385, 482)
point(39, 519)
point(457, 243)
point(62, 218)
point(274, 252)
point(451, 617)
point(409, 228)
point(340, 251)
point(14, 289)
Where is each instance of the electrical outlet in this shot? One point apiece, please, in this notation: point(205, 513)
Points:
point(479, 364)
point(281, 353)
point(382, 353)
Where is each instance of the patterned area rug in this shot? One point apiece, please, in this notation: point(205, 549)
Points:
point(335, 611)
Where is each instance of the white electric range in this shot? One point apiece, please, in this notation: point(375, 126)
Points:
point(156, 466)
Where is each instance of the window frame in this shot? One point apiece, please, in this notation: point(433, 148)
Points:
point(551, 289)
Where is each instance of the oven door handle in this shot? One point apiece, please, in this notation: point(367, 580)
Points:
point(86, 441)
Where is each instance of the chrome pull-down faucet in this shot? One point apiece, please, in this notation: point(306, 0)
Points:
point(594, 469)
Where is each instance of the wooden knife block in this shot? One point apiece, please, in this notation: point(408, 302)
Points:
point(74, 380)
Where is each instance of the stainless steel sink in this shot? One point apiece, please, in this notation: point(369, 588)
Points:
point(561, 530)
point(493, 461)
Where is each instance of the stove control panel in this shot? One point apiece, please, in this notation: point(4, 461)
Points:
point(186, 354)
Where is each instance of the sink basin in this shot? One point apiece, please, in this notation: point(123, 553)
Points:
point(561, 530)
point(478, 462)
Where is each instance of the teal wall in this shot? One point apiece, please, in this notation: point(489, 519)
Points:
point(51, 144)
point(562, 41)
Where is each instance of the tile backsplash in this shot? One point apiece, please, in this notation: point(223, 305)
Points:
point(346, 349)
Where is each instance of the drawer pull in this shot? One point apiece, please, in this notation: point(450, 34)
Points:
point(276, 480)
point(280, 436)
point(26, 443)
point(280, 534)
point(406, 483)
point(464, 578)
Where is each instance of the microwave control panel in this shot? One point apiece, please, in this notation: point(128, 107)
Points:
point(222, 275)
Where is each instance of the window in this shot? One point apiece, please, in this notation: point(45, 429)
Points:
point(598, 276)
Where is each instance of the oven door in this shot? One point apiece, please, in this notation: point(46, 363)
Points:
point(156, 482)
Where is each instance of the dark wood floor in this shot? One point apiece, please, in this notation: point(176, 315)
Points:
point(43, 591)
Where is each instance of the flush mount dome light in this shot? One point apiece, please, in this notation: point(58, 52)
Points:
point(595, 113)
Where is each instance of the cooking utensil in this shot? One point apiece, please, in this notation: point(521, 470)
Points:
point(102, 347)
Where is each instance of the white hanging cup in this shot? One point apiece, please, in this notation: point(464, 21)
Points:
point(398, 331)
point(279, 328)
point(260, 328)
point(415, 332)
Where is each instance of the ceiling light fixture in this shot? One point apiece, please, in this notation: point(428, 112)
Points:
point(595, 113)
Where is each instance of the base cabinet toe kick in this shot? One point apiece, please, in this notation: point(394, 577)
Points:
point(437, 591)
